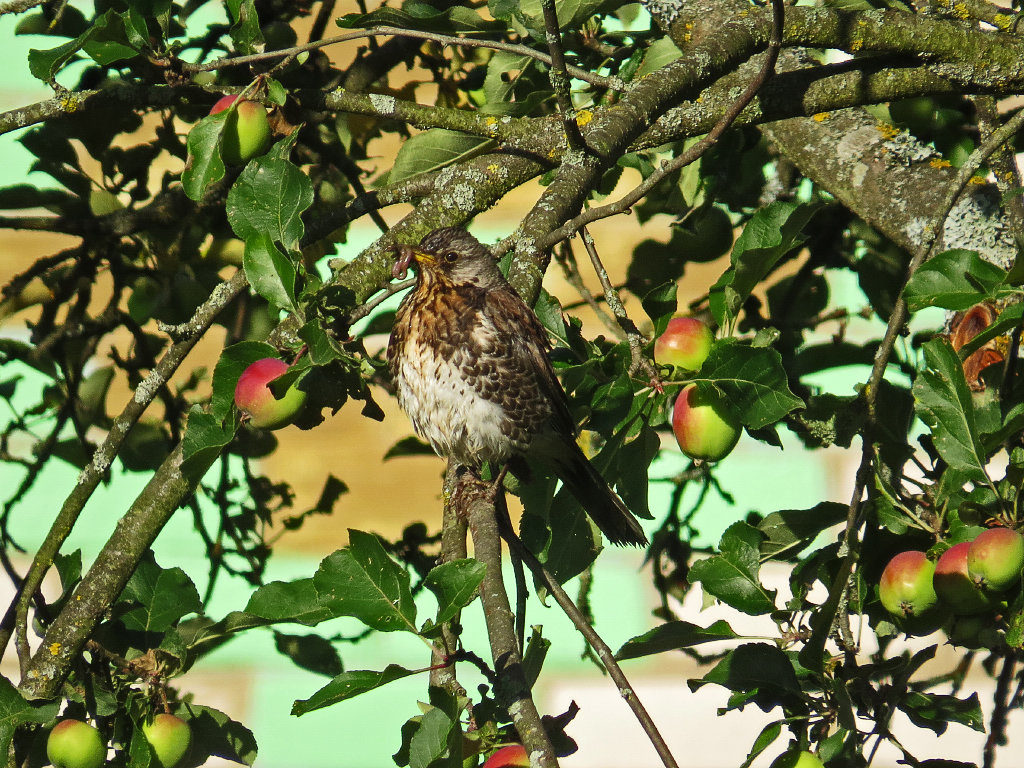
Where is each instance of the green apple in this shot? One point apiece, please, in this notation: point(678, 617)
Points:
point(74, 744)
point(169, 738)
point(685, 344)
point(703, 426)
point(797, 759)
point(246, 130)
point(255, 400)
point(953, 583)
point(995, 559)
point(512, 756)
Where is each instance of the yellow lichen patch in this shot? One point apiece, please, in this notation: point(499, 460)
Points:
point(821, 117)
point(1002, 21)
point(978, 180)
point(54, 649)
point(493, 168)
point(938, 162)
point(960, 11)
point(69, 103)
point(583, 117)
point(887, 131)
point(856, 45)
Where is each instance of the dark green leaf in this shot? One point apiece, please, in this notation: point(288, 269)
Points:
point(771, 233)
point(245, 26)
point(768, 735)
point(363, 581)
point(15, 711)
point(660, 305)
point(100, 42)
point(753, 666)
point(204, 166)
point(269, 198)
point(732, 576)
point(214, 734)
point(943, 401)
point(672, 636)
point(164, 596)
point(454, 584)
point(536, 652)
point(421, 16)
point(270, 272)
point(430, 742)
point(788, 531)
point(409, 446)
point(753, 381)
point(310, 652)
point(293, 601)
point(936, 711)
point(954, 280)
point(205, 438)
point(349, 684)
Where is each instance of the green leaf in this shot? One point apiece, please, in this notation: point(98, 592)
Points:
point(350, 684)
point(100, 41)
point(955, 280)
point(454, 584)
point(659, 53)
point(205, 438)
point(214, 734)
point(672, 636)
point(753, 666)
point(943, 401)
point(570, 13)
point(363, 581)
point(768, 735)
point(245, 26)
point(269, 198)
point(732, 575)
point(270, 272)
point(788, 531)
point(498, 83)
point(15, 711)
point(165, 595)
point(293, 601)
point(432, 150)
point(937, 711)
point(430, 742)
point(660, 304)
point(753, 381)
point(233, 361)
point(771, 233)
point(204, 166)
point(310, 652)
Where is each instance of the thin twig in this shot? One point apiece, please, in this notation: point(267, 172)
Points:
point(565, 257)
point(694, 152)
point(997, 725)
point(604, 653)
point(612, 83)
point(559, 77)
point(611, 296)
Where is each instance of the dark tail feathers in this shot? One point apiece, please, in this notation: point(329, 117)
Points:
point(605, 508)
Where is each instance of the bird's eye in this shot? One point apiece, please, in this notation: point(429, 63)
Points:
point(451, 257)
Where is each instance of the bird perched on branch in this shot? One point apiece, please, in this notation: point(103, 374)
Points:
point(470, 362)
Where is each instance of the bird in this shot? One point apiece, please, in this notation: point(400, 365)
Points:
point(469, 360)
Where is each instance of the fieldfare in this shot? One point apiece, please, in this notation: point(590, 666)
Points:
point(469, 359)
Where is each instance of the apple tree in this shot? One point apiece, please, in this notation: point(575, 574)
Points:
point(204, 162)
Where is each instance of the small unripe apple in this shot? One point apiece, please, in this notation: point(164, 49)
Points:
point(906, 588)
point(685, 344)
point(797, 759)
point(703, 426)
point(995, 559)
point(246, 130)
point(74, 744)
point(256, 400)
point(512, 756)
point(953, 584)
point(169, 738)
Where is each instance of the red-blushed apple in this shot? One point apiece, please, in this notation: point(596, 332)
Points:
point(704, 428)
point(246, 130)
point(685, 344)
point(907, 592)
point(953, 584)
point(255, 400)
point(512, 756)
point(797, 759)
point(995, 559)
point(74, 744)
point(169, 738)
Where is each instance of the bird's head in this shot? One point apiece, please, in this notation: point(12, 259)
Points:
point(453, 253)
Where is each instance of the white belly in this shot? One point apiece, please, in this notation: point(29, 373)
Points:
point(451, 416)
